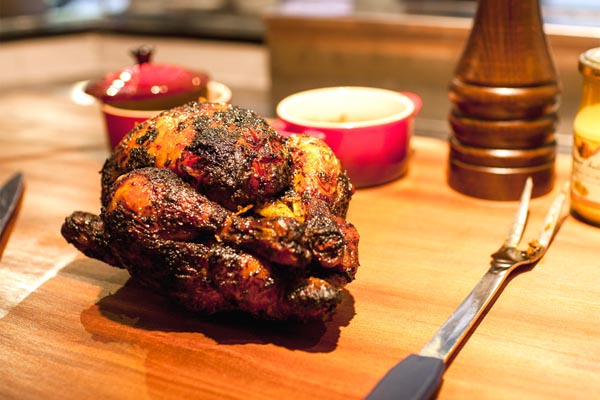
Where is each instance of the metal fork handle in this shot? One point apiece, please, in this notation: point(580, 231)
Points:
point(449, 336)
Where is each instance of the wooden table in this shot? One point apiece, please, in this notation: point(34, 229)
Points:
point(75, 328)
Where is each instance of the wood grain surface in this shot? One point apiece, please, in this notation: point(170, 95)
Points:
point(75, 328)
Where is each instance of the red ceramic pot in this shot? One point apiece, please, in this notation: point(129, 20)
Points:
point(369, 129)
point(141, 91)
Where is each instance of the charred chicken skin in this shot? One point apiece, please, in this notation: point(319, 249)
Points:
point(230, 155)
point(209, 205)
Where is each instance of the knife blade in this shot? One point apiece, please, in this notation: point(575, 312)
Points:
point(10, 195)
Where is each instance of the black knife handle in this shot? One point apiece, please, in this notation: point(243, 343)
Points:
point(414, 378)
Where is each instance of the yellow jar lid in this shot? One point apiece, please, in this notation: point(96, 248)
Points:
point(589, 62)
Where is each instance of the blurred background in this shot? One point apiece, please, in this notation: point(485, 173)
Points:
point(266, 49)
point(235, 19)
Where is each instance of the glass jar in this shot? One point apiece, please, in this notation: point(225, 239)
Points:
point(585, 179)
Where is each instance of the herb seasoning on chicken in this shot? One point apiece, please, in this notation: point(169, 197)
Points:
point(209, 205)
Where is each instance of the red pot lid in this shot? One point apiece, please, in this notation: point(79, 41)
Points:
point(145, 80)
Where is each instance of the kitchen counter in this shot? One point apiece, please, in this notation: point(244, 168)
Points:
point(74, 328)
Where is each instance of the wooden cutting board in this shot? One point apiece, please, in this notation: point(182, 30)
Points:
point(75, 328)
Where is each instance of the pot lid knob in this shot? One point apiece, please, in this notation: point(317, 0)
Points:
point(142, 54)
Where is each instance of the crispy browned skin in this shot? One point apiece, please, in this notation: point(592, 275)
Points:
point(229, 154)
point(284, 255)
point(153, 204)
point(319, 195)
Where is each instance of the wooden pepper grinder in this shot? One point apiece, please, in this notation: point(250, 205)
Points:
point(504, 96)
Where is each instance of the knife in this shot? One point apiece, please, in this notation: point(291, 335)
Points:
point(10, 195)
point(419, 376)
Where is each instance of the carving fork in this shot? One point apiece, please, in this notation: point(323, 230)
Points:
point(419, 375)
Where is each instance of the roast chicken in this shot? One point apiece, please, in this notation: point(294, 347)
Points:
point(209, 205)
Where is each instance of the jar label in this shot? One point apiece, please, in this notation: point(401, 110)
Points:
point(586, 169)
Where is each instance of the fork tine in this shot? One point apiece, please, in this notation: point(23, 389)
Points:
point(551, 221)
point(518, 225)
